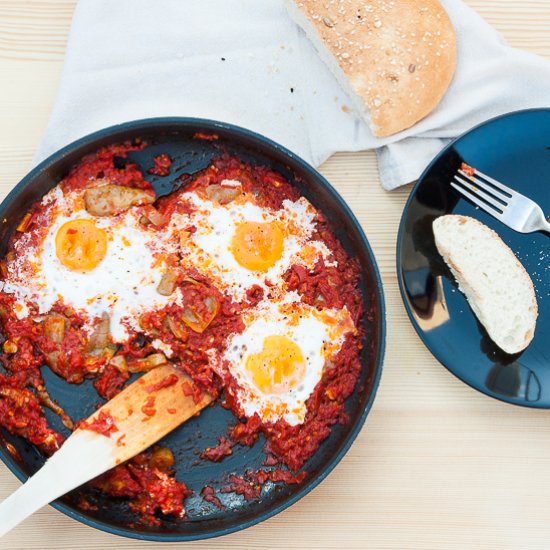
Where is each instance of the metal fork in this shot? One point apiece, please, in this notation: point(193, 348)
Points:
point(510, 207)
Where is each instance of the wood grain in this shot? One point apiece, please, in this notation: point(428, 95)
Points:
point(437, 465)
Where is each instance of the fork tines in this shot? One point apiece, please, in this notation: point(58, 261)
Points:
point(483, 191)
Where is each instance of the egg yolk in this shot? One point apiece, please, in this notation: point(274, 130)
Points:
point(257, 245)
point(279, 367)
point(80, 245)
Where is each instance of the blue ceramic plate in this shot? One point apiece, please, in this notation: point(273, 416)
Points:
point(514, 149)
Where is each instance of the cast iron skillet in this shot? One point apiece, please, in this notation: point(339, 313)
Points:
point(175, 137)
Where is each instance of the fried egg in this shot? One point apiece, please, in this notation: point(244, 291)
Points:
point(279, 357)
point(242, 244)
point(94, 264)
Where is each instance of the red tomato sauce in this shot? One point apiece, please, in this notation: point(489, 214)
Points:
point(205, 321)
point(220, 451)
point(467, 169)
point(250, 485)
point(148, 484)
point(149, 408)
point(104, 424)
point(110, 382)
point(109, 163)
point(209, 495)
point(21, 414)
point(161, 167)
point(166, 382)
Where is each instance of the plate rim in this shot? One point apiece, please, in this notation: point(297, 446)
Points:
point(398, 263)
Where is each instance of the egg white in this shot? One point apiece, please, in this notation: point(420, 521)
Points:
point(319, 335)
point(123, 284)
point(209, 247)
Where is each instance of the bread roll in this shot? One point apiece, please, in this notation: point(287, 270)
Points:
point(498, 289)
point(395, 59)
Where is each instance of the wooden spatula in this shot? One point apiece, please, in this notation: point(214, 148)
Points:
point(142, 414)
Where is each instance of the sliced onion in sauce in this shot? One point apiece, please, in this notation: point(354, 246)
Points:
point(54, 328)
point(99, 338)
point(119, 362)
point(195, 321)
point(167, 284)
point(147, 363)
point(221, 194)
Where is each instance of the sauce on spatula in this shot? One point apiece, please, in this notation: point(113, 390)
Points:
point(132, 421)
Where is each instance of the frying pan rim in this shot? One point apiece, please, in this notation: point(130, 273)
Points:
point(341, 206)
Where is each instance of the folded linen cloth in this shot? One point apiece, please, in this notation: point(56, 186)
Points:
point(246, 62)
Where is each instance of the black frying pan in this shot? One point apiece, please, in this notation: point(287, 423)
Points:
point(174, 136)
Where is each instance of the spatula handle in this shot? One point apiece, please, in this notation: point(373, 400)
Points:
point(142, 413)
point(84, 456)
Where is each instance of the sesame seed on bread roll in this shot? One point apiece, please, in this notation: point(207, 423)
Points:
point(395, 58)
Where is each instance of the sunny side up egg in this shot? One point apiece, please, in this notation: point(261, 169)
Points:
point(242, 244)
point(94, 264)
point(279, 357)
point(114, 264)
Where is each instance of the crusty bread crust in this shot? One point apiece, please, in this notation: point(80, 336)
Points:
point(475, 298)
point(398, 56)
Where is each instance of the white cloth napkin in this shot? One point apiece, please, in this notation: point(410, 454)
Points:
point(246, 62)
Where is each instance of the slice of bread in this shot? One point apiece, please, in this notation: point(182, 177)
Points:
point(498, 289)
point(395, 59)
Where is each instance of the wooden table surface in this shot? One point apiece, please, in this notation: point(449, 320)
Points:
point(437, 465)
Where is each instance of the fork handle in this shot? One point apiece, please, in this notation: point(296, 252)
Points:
point(545, 226)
